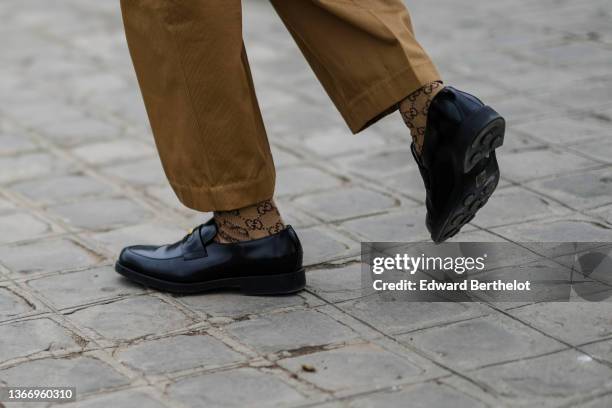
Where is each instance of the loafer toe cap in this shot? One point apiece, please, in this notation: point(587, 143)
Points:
point(133, 257)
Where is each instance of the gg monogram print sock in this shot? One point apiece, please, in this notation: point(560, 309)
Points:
point(414, 110)
point(256, 221)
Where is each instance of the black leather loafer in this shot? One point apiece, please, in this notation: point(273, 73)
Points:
point(457, 162)
point(266, 266)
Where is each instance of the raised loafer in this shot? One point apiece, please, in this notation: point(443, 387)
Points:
point(265, 266)
point(458, 162)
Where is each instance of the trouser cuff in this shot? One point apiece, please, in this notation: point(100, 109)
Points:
point(227, 197)
point(383, 97)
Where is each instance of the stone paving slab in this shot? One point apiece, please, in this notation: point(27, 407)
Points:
point(371, 368)
point(178, 353)
point(80, 179)
point(239, 387)
point(546, 380)
point(87, 373)
point(70, 290)
point(429, 394)
point(130, 318)
point(454, 343)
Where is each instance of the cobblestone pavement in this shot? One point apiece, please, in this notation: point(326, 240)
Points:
point(79, 179)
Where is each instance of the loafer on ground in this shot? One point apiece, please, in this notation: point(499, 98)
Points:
point(458, 162)
point(265, 266)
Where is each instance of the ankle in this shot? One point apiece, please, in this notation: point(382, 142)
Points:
point(415, 110)
point(244, 224)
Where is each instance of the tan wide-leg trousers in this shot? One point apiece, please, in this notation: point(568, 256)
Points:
point(195, 80)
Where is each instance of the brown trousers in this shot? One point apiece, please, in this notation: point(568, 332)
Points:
point(194, 76)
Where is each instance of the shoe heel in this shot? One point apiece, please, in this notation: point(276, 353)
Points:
point(280, 284)
point(480, 134)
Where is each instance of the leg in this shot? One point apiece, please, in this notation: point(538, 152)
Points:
point(363, 51)
point(196, 83)
point(195, 80)
point(365, 54)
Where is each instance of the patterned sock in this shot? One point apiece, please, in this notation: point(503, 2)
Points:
point(415, 108)
point(252, 222)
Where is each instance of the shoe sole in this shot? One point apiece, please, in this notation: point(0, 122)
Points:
point(278, 284)
point(474, 156)
point(480, 134)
